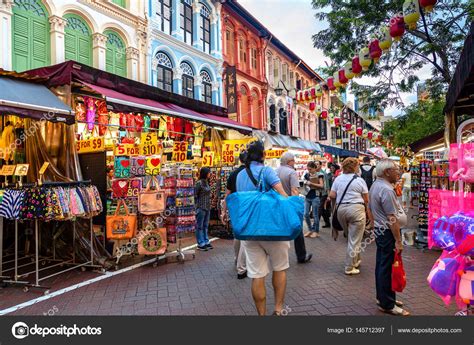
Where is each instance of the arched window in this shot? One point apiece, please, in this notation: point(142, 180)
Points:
point(253, 59)
point(276, 71)
point(270, 69)
point(272, 114)
point(30, 35)
point(206, 87)
point(282, 118)
point(242, 52)
point(284, 73)
point(163, 12)
point(186, 21)
point(164, 71)
point(229, 44)
point(206, 28)
point(188, 80)
point(78, 40)
point(115, 57)
point(256, 111)
point(244, 106)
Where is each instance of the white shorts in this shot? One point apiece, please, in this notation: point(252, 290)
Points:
point(266, 256)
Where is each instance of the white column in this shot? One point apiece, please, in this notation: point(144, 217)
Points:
point(154, 72)
point(216, 87)
point(197, 25)
point(198, 87)
point(177, 81)
point(143, 46)
point(99, 50)
point(215, 51)
point(57, 39)
point(133, 56)
point(6, 34)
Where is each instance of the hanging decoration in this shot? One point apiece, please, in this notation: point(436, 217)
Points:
point(375, 50)
point(319, 91)
point(385, 41)
point(319, 109)
point(411, 13)
point(324, 114)
point(356, 67)
point(342, 77)
point(428, 5)
point(397, 27)
point(331, 85)
point(313, 92)
point(337, 121)
point(359, 131)
point(348, 127)
point(348, 70)
point(307, 96)
point(364, 58)
point(337, 82)
point(370, 135)
point(312, 106)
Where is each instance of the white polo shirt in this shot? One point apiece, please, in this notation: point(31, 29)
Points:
point(355, 191)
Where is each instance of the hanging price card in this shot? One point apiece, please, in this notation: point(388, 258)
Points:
point(180, 150)
point(126, 150)
point(149, 144)
point(208, 159)
point(7, 170)
point(91, 145)
point(228, 154)
point(21, 169)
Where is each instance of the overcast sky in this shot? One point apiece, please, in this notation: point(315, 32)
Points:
point(293, 22)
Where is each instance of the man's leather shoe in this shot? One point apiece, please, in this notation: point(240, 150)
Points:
point(306, 259)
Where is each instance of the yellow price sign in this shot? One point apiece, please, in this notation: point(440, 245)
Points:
point(274, 153)
point(126, 150)
point(7, 170)
point(180, 151)
point(149, 138)
point(43, 168)
point(208, 159)
point(21, 169)
point(228, 157)
point(151, 149)
point(91, 145)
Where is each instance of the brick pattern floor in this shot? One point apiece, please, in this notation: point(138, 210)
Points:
point(208, 286)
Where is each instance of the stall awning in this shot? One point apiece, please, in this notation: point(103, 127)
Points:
point(143, 104)
point(26, 99)
point(336, 151)
point(286, 141)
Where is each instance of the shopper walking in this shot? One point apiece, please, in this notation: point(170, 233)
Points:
point(314, 182)
point(350, 193)
point(406, 188)
point(202, 193)
point(289, 180)
point(367, 171)
point(323, 193)
point(389, 218)
point(264, 255)
point(239, 251)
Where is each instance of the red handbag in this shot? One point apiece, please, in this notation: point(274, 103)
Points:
point(399, 278)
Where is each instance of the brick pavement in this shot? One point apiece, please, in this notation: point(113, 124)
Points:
point(208, 286)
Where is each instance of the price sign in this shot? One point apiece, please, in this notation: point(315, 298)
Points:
point(91, 145)
point(228, 157)
point(126, 150)
point(208, 159)
point(149, 138)
point(43, 168)
point(180, 150)
point(21, 169)
point(149, 144)
point(196, 150)
point(7, 170)
point(274, 153)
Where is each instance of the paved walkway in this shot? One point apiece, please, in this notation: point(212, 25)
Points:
point(208, 286)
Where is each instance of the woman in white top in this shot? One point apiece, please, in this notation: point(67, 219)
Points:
point(406, 190)
point(352, 212)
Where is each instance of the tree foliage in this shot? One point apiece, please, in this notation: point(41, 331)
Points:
point(436, 43)
point(420, 120)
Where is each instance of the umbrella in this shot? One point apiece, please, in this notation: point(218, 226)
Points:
point(378, 152)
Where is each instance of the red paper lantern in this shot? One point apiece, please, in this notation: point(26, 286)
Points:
point(356, 66)
point(375, 50)
point(337, 121)
point(331, 85)
point(312, 106)
point(369, 135)
point(307, 95)
point(342, 76)
point(324, 114)
point(428, 5)
point(313, 93)
point(348, 127)
point(397, 27)
point(359, 131)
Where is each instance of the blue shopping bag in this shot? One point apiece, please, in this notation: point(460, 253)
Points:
point(265, 215)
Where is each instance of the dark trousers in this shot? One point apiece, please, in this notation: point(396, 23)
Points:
point(383, 267)
point(323, 211)
point(300, 247)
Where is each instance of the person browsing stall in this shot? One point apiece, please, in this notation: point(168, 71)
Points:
point(202, 192)
point(314, 183)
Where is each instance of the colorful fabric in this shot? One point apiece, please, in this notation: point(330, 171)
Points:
point(11, 203)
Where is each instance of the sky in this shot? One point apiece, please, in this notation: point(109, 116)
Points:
point(293, 22)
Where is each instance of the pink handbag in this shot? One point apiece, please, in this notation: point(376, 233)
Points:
point(151, 201)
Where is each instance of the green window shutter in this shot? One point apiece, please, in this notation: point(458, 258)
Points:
point(30, 35)
point(109, 59)
point(70, 46)
point(78, 40)
point(116, 60)
point(119, 2)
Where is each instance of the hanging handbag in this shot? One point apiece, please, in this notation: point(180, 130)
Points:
point(399, 278)
point(121, 227)
point(262, 215)
point(120, 188)
point(151, 201)
point(153, 242)
point(335, 222)
point(122, 167)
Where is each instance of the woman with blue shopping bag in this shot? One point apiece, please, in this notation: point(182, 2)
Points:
point(265, 219)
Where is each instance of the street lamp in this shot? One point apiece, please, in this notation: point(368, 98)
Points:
point(279, 90)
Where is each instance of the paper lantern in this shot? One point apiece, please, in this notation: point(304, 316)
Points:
point(428, 5)
point(307, 95)
point(300, 96)
point(342, 76)
point(348, 70)
point(397, 27)
point(385, 41)
point(359, 131)
point(375, 50)
point(324, 114)
point(337, 121)
point(353, 129)
point(312, 106)
point(411, 13)
point(356, 67)
point(319, 91)
point(319, 109)
point(313, 93)
point(364, 58)
point(370, 135)
point(348, 127)
point(337, 82)
point(330, 83)
point(364, 133)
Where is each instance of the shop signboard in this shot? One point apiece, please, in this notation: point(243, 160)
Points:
point(231, 89)
point(323, 129)
point(237, 145)
point(274, 153)
point(208, 159)
point(180, 151)
point(90, 145)
point(126, 150)
point(228, 157)
point(8, 170)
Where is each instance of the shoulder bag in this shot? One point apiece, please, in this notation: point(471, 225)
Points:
point(121, 227)
point(150, 201)
point(335, 222)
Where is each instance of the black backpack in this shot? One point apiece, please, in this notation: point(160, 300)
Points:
point(367, 175)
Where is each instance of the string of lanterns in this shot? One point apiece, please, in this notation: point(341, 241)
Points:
point(379, 43)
